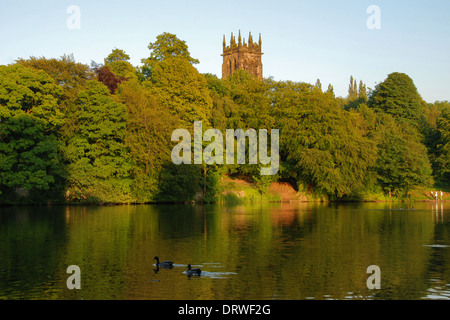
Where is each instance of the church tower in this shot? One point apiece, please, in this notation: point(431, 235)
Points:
point(242, 55)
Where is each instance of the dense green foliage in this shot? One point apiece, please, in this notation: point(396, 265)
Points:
point(30, 117)
point(398, 96)
point(102, 134)
point(402, 159)
point(95, 151)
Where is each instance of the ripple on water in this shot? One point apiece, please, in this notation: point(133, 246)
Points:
point(436, 246)
point(211, 274)
point(214, 275)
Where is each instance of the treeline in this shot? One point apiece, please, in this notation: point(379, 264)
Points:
point(75, 133)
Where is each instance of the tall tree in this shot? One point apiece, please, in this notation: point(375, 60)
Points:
point(356, 95)
point(326, 146)
point(30, 162)
point(402, 162)
point(29, 119)
point(352, 89)
point(117, 55)
point(252, 99)
point(119, 63)
point(95, 151)
point(182, 89)
point(429, 128)
point(398, 96)
point(70, 75)
point(149, 130)
point(167, 45)
point(362, 91)
point(34, 92)
point(224, 109)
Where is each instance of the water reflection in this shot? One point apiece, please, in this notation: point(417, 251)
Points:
point(438, 211)
point(264, 251)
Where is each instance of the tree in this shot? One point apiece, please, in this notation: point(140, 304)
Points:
point(330, 89)
point(429, 128)
point(398, 96)
point(67, 73)
point(224, 108)
point(182, 89)
point(27, 91)
point(167, 45)
point(352, 89)
point(402, 162)
point(71, 77)
point(118, 62)
point(149, 130)
point(116, 70)
point(117, 55)
point(443, 159)
point(318, 85)
point(106, 76)
point(29, 118)
point(322, 146)
point(246, 105)
point(252, 100)
point(180, 183)
point(30, 163)
point(362, 91)
point(328, 150)
point(95, 151)
point(356, 95)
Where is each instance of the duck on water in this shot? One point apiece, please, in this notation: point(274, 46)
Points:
point(193, 272)
point(164, 264)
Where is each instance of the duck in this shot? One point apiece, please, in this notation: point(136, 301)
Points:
point(156, 270)
point(164, 264)
point(193, 272)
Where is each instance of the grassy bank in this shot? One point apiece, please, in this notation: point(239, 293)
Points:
point(236, 190)
point(241, 191)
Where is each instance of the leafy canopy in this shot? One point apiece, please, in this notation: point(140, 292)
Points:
point(27, 91)
point(117, 55)
point(402, 162)
point(167, 45)
point(182, 89)
point(29, 118)
point(398, 96)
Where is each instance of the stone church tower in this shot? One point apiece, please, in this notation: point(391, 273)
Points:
point(241, 55)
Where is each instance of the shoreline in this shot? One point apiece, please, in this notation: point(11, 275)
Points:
point(236, 191)
point(243, 202)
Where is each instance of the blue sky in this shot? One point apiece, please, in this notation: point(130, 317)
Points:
point(302, 40)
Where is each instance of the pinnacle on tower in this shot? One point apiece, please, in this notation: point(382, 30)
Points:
point(239, 39)
point(250, 39)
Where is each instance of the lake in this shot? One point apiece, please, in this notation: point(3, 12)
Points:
point(283, 251)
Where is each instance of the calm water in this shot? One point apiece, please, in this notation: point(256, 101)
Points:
point(269, 251)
